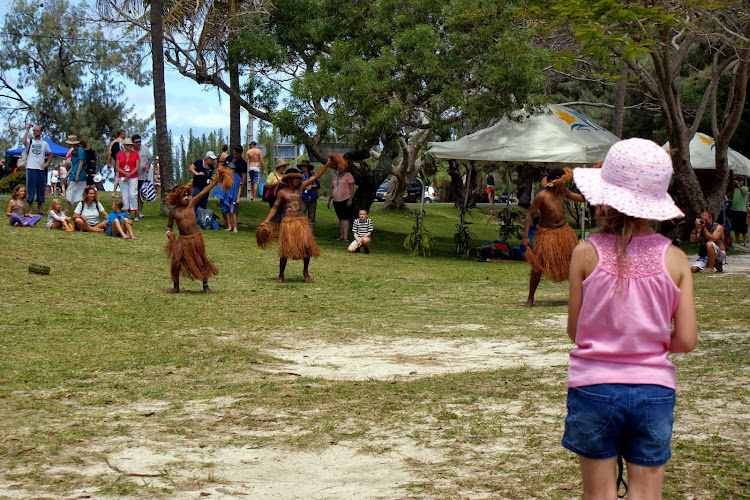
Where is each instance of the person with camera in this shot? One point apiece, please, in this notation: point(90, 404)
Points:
point(712, 252)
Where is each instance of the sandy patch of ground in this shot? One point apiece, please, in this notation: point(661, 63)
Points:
point(386, 358)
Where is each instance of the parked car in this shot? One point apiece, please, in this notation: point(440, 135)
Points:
point(413, 191)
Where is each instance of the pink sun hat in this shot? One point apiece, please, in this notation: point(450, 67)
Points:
point(633, 180)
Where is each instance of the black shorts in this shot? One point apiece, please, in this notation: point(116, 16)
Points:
point(343, 211)
point(739, 221)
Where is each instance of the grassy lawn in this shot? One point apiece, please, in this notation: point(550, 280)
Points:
point(96, 360)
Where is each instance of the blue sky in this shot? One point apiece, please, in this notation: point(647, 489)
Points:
point(189, 105)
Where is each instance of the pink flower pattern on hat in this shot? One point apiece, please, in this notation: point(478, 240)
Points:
point(634, 180)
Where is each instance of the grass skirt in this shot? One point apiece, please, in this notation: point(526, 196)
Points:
point(552, 251)
point(190, 253)
point(296, 239)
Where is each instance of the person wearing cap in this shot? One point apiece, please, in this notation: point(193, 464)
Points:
point(554, 240)
point(630, 304)
point(272, 180)
point(38, 156)
point(296, 240)
point(255, 162)
point(127, 165)
point(229, 200)
point(145, 173)
point(202, 171)
point(77, 173)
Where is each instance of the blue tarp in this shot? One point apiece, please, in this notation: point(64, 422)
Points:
point(57, 150)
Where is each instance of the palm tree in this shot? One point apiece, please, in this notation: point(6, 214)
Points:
point(110, 10)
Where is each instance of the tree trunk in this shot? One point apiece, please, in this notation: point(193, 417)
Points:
point(235, 134)
point(368, 181)
point(458, 183)
point(160, 105)
point(619, 104)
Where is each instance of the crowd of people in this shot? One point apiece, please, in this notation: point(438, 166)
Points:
point(630, 301)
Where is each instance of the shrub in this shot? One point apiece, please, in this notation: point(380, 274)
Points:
point(9, 182)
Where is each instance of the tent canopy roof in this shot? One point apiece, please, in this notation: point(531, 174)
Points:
point(703, 155)
point(56, 149)
point(559, 136)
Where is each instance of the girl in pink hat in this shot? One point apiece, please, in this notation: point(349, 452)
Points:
point(628, 286)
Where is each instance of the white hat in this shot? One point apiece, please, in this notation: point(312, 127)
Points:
point(211, 155)
point(633, 180)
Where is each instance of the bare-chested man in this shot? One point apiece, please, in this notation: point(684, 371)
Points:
point(554, 240)
point(254, 158)
point(296, 240)
point(188, 251)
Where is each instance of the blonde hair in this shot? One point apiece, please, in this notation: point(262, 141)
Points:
point(52, 204)
point(610, 221)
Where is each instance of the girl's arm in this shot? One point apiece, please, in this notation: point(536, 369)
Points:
point(9, 210)
point(685, 334)
point(582, 264)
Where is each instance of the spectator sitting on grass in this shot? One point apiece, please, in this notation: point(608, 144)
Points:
point(118, 222)
point(87, 214)
point(362, 230)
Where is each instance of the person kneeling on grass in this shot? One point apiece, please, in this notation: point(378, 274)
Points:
point(362, 230)
point(187, 252)
point(87, 213)
point(119, 223)
point(296, 240)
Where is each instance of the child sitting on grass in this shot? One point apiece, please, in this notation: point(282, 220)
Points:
point(362, 230)
point(56, 218)
point(187, 252)
point(118, 222)
point(18, 209)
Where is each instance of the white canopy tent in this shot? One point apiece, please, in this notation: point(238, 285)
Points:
point(703, 157)
point(560, 136)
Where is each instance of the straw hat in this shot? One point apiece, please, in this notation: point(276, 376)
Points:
point(72, 140)
point(281, 162)
point(633, 180)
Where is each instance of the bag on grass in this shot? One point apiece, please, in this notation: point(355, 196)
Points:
point(148, 193)
point(205, 217)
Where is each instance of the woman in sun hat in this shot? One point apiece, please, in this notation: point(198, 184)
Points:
point(77, 173)
point(127, 164)
point(627, 285)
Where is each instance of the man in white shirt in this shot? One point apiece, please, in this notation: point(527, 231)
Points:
point(145, 173)
point(38, 156)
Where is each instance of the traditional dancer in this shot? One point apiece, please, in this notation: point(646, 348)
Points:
point(188, 251)
point(296, 240)
point(554, 240)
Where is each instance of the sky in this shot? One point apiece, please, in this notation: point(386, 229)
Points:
point(189, 105)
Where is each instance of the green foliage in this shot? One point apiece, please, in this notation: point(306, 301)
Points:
point(418, 242)
point(9, 182)
point(66, 76)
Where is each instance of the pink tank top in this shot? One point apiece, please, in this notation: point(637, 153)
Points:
point(624, 325)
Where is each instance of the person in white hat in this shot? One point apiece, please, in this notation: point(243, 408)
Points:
point(628, 286)
point(202, 171)
point(127, 165)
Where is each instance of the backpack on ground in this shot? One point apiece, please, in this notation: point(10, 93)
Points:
point(205, 217)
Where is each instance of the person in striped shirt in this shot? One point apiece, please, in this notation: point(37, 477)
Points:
point(362, 229)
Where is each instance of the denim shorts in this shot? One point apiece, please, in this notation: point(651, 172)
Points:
point(606, 420)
